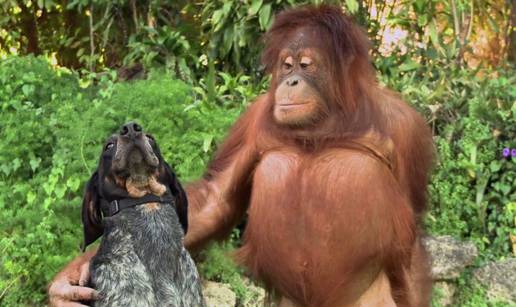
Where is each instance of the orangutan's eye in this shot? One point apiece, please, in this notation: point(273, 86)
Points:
point(305, 62)
point(109, 146)
point(288, 63)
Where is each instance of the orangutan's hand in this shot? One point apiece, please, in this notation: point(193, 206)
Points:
point(68, 287)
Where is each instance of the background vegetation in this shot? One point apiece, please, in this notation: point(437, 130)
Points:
point(61, 94)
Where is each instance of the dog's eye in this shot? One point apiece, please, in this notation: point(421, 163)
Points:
point(109, 146)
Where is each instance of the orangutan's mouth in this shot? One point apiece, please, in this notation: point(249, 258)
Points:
point(288, 103)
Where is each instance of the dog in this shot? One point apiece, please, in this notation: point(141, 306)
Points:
point(135, 202)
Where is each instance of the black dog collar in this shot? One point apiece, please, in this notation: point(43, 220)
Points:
point(115, 206)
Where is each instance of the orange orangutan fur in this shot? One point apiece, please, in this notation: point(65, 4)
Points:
point(336, 207)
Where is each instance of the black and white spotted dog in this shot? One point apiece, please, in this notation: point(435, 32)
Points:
point(136, 203)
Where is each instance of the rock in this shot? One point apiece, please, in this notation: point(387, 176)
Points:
point(255, 297)
point(449, 256)
point(218, 294)
point(499, 279)
point(444, 292)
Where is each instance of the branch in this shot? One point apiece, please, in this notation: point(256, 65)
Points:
point(135, 14)
point(92, 43)
point(455, 18)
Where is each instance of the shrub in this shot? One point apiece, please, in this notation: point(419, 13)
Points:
point(52, 132)
point(217, 264)
point(472, 191)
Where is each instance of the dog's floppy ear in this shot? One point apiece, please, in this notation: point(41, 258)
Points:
point(91, 217)
point(180, 196)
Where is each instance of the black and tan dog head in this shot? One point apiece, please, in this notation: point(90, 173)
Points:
point(130, 166)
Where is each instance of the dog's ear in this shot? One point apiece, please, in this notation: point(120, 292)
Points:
point(180, 196)
point(91, 217)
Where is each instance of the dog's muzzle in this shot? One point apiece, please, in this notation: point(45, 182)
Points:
point(133, 149)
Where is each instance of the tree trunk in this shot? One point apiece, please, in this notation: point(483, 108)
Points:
point(511, 54)
point(29, 28)
point(67, 55)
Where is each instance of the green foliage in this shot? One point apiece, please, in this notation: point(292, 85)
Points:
point(217, 265)
point(27, 98)
point(468, 293)
point(473, 119)
point(231, 90)
point(232, 29)
point(162, 47)
point(52, 132)
point(100, 33)
point(471, 294)
point(34, 228)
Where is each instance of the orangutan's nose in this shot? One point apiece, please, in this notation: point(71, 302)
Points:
point(293, 81)
point(131, 129)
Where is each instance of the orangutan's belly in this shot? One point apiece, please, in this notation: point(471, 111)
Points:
point(296, 214)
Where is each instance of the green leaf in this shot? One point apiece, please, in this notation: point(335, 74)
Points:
point(207, 142)
point(48, 187)
point(5, 169)
point(227, 41)
point(31, 196)
point(419, 5)
point(227, 7)
point(352, 6)
point(409, 65)
point(16, 164)
point(495, 166)
point(26, 89)
point(265, 16)
point(434, 37)
point(60, 191)
point(255, 6)
point(34, 163)
point(493, 23)
point(73, 183)
point(422, 20)
point(505, 189)
point(217, 16)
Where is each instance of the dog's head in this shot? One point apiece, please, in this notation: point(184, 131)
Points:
point(130, 166)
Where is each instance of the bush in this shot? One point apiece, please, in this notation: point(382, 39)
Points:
point(472, 191)
point(52, 132)
point(217, 264)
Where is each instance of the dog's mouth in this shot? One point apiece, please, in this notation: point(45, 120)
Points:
point(137, 168)
point(139, 177)
point(134, 160)
point(135, 164)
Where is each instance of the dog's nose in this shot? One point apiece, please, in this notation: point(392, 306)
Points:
point(131, 129)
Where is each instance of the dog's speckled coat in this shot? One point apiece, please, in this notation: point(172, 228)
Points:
point(142, 261)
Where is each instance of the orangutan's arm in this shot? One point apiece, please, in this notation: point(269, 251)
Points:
point(219, 200)
point(69, 285)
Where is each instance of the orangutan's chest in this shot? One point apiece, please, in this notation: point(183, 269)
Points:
point(293, 193)
point(302, 181)
point(286, 174)
point(277, 169)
